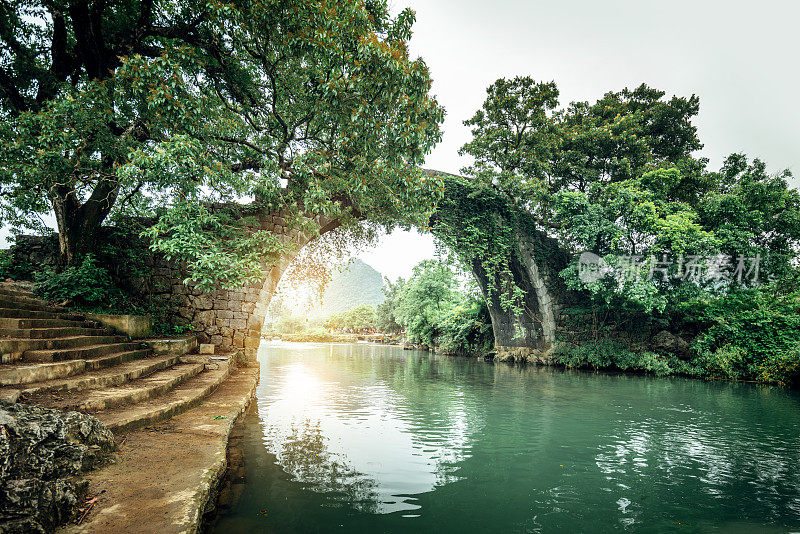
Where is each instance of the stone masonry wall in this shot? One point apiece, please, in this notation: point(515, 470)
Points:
point(227, 318)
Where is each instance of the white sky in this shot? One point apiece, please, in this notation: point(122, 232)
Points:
point(740, 58)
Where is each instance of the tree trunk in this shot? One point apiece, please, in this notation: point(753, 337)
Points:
point(79, 224)
point(77, 233)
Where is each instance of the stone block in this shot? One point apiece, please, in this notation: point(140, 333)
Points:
point(174, 346)
point(212, 330)
point(207, 348)
point(202, 302)
point(255, 322)
point(205, 317)
point(186, 313)
point(134, 326)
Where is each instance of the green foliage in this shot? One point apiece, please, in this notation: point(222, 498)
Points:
point(87, 285)
point(425, 299)
point(385, 313)
point(613, 355)
point(167, 329)
point(292, 324)
point(467, 327)
point(356, 319)
point(781, 368)
point(432, 308)
point(617, 178)
point(15, 269)
point(753, 335)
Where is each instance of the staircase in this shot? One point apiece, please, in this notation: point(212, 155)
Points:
point(55, 358)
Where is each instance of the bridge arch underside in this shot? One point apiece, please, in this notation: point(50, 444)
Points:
point(527, 331)
point(233, 319)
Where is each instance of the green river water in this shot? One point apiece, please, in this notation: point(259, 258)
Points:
point(369, 438)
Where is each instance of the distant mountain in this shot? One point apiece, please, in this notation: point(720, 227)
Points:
point(356, 284)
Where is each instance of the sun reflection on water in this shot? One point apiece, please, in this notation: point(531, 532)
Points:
point(300, 386)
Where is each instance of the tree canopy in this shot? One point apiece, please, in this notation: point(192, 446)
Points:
point(676, 244)
point(157, 108)
point(618, 178)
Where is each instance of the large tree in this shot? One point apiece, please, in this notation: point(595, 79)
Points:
point(618, 178)
point(111, 106)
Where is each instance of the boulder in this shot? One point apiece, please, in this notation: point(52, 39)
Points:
point(668, 342)
point(42, 454)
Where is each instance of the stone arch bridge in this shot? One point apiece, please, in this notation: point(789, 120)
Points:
point(234, 318)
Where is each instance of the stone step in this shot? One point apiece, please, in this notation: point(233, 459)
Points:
point(185, 396)
point(109, 360)
point(139, 390)
point(171, 473)
point(28, 304)
point(39, 314)
point(25, 299)
point(15, 291)
point(54, 332)
point(78, 353)
point(21, 345)
point(29, 373)
point(115, 375)
point(23, 323)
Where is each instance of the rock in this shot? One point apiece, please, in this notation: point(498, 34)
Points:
point(669, 342)
point(42, 452)
point(206, 348)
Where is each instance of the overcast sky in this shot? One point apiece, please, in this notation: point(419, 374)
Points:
point(740, 58)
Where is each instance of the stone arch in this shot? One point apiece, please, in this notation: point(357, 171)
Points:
point(528, 332)
point(234, 318)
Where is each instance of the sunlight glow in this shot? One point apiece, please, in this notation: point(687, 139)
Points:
point(300, 385)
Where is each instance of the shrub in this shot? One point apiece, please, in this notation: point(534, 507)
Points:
point(783, 368)
point(88, 285)
point(466, 328)
point(597, 355)
point(752, 334)
point(10, 267)
point(613, 355)
point(729, 361)
point(167, 329)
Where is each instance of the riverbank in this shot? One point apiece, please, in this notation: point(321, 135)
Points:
point(327, 337)
point(315, 337)
point(165, 475)
point(613, 356)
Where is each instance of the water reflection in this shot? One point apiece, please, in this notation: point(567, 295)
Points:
point(350, 434)
point(368, 438)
